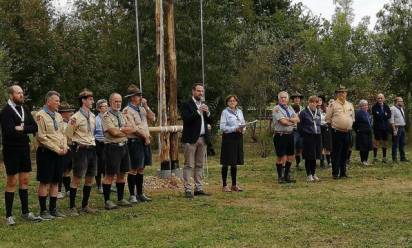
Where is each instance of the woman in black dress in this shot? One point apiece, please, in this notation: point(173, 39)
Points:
point(232, 125)
point(363, 129)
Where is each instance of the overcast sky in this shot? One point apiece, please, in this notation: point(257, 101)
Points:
point(325, 8)
point(362, 8)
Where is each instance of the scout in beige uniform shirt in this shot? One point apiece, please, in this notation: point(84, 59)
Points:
point(52, 146)
point(81, 132)
point(137, 113)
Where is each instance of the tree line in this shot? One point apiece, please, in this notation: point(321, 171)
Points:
point(253, 48)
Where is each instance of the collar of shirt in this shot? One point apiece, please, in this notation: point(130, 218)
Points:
point(341, 101)
point(136, 108)
point(11, 103)
point(198, 103)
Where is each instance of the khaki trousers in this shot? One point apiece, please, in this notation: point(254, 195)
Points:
point(194, 157)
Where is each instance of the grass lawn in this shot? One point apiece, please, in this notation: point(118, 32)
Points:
point(371, 209)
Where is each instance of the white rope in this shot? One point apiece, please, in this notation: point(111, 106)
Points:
point(138, 44)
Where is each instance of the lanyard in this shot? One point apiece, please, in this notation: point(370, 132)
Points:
point(21, 116)
point(53, 116)
point(87, 116)
point(314, 117)
point(400, 110)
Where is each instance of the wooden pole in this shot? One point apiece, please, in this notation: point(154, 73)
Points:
point(160, 76)
point(172, 82)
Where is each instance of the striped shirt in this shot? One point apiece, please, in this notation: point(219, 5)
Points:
point(98, 131)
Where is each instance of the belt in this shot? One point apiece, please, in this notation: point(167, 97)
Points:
point(84, 146)
point(117, 144)
point(341, 130)
point(282, 133)
point(134, 139)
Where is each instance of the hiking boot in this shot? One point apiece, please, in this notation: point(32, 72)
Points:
point(31, 217)
point(123, 203)
point(201, 193)
point(236, 188)
point(281, 180)
point(73, 212)
point(45, 215)
point(88, 210)
point(57, 214)
point(226, 189)
point(143, 198)
point(109, 205)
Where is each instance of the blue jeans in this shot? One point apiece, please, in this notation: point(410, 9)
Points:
point(398, 141)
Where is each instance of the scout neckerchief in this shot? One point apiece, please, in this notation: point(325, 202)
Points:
point(13, 106)
point(314, 117)
point(285, 107)
point(53, 116)
point(137, 109)
point(87, 116)
point(118, 117)
point(235, 113)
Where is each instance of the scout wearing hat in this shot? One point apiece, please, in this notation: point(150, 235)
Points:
point(296, 98)
point(66, 110)
point(340, 115)
point(81, 133)
point(137, 113)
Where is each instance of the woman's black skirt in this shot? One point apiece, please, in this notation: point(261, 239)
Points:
point(231, 152)
point(364, 141)
point(326, 137)
point(312, 146)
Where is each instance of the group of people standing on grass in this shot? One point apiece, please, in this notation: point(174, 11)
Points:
point(76, 147)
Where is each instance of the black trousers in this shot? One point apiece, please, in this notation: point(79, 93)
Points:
point(340, 148)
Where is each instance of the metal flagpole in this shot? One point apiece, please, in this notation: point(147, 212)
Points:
point(138, 44)
point(203, 70)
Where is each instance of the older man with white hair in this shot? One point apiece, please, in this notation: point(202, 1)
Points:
point(363, 128)
point(284, 120)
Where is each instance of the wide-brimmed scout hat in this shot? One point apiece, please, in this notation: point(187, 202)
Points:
point(66, 107)
point(133, 90)
point(296, 94)
point(85, 94)
point(341, 89)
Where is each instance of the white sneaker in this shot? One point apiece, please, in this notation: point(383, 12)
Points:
point(365, 163)
point(310, 178)
point(316, 178)
point(133, 200)
point(60, 195)
point(10, 221)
